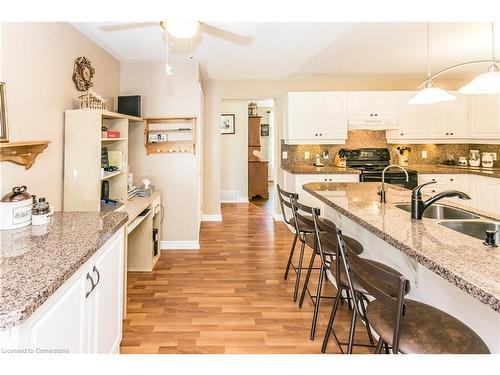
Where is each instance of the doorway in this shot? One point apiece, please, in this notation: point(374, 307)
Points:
point(261, 150)
point(247, 152)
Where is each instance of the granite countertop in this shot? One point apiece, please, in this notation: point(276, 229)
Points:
point(455, 169)
point(462, 260)
point(36, 260)
point(311, 169)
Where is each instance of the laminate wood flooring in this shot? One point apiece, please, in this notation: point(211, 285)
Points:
point(229, 296)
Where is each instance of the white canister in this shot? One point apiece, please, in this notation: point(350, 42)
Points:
point(41, 212)
point(487, 160)
point(15, 209)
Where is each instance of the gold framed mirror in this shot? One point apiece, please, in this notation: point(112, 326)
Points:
point(4, 128)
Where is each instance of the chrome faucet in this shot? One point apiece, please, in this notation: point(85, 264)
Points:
point(418, 206)
point(382, 188)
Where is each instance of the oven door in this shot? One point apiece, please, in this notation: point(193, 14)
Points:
point(393, 179)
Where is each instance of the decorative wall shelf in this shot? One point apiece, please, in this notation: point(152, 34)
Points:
point(180, 135)
point(22, 153)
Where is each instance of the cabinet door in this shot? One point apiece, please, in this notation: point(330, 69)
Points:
point(360, 105)
point(385, 105)
point(302, 115)
point(484, 116)
point(412, 117)
point(62, 322)
point(107, 297)
point(332, 115)
point(456, 117)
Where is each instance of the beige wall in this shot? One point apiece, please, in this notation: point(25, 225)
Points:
point(234, 153)
point(37, 65)
point(175, 175)
point(265, 89)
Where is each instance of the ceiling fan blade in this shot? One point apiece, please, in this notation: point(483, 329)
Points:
point(128, 26)
point(243, 40)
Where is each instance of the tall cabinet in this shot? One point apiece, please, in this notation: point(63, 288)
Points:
point(257, 168)
point(83, 142)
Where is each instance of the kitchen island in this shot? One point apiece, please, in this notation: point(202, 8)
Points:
point(62, 284)
point(447, 269)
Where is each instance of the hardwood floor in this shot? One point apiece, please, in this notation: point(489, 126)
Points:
point(227, 297)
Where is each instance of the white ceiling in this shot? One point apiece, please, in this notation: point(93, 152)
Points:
point(281, 50)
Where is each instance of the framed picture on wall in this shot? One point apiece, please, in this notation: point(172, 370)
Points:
point(4, 130)
point(264, 130)
point(227, 124)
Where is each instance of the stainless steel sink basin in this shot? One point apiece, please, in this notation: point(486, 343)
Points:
point(441, 212)
point(474, 228)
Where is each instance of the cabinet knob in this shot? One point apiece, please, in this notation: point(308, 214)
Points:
point(451, 133)
point(401, 134)
point(376, 114)
point(331, 179)
point(447, 133)
point(320, 134)
point(433, 179)
point(451, 179)
point(326, 179)
point(316, 134)
point(371, 114)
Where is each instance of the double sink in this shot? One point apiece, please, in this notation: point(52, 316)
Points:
point(458, 220)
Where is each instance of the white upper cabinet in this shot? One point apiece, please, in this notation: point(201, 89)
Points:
point(372, 109)
point(444, 122)
point(484, 117)
point(316, 117)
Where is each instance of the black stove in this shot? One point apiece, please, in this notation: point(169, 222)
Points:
point(372, 161)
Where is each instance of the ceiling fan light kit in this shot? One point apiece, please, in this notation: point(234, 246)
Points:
point(181, 29)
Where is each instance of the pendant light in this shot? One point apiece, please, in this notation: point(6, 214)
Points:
point(489, 82)
point(430, 94)
point(168, 67)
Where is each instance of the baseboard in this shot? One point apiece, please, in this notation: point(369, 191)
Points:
point(216, 217)
point(179, 245)
point(240, 200)
point(277, 217)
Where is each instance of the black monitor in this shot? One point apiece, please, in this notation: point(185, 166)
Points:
point(130, 105)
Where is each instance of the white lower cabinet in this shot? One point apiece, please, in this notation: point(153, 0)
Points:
point(484, 191)
point(83, 315)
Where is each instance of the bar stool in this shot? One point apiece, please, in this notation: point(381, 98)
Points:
point(324, 245)
point(301, 231)
point(285, 200)
point(407, 326)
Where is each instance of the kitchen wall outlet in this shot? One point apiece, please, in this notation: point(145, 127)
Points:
point(284, 155)
point(306, 155)
point(494, 154)
point(424, 155)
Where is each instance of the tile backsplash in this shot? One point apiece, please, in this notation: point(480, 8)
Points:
point(436, 153)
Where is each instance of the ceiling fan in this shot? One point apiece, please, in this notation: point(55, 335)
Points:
point(183, 29)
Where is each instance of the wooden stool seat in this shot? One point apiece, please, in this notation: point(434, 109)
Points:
point(425, 330)
point(329, 243)
point(357, 287)
point(306, 227)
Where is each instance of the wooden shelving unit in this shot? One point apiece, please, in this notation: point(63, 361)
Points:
point(22, 153)
point(179, 131)
point(82, 157)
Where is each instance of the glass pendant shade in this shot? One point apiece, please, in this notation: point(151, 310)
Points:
point(430, 95)
point(182, 29)
point(486, 83)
